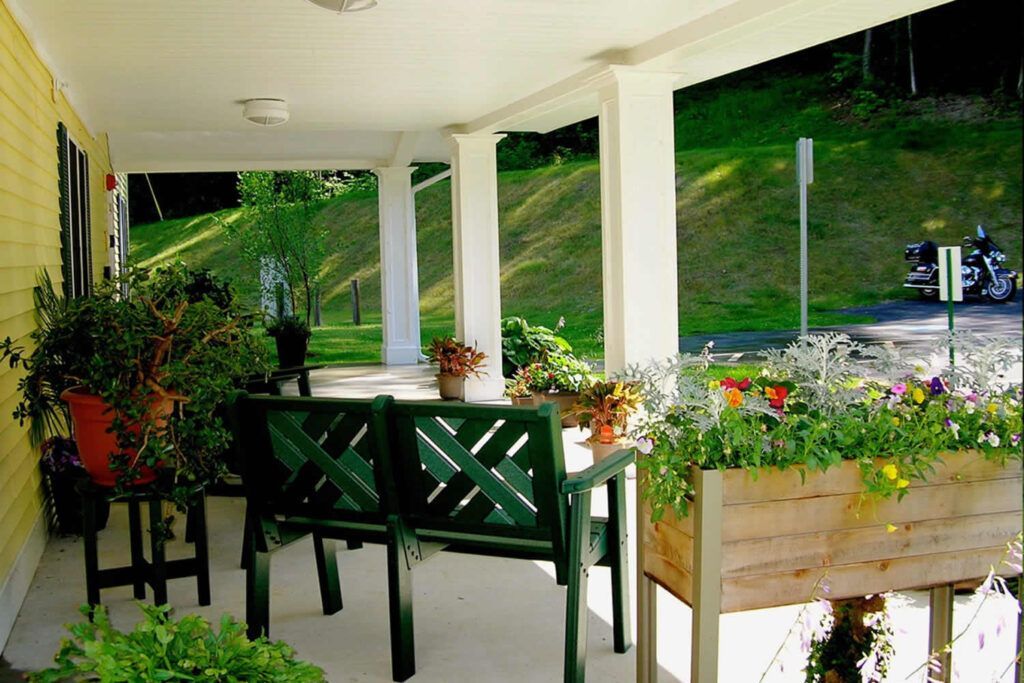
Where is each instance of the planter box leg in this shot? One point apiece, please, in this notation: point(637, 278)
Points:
point(647, 630)
point(940, 629)
point(707, 573)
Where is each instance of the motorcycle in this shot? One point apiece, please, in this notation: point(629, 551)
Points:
point(981, 270)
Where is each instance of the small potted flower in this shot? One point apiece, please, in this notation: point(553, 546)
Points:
point(558, 379)
point(63, 471)
point(517, 391)
point(455, 362)
point(291, 336)
point(605, 407)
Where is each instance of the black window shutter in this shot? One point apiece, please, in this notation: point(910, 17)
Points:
point(65, 210)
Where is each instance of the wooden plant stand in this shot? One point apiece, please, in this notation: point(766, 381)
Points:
point(752, 544)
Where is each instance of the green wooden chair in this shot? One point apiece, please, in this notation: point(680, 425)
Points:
point(310, 466)
point(491, 480)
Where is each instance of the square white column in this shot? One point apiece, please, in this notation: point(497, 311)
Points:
point(638, 217)
point(399, 271)
point(475, 246)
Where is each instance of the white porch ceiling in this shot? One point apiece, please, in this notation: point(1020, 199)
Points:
point(164, 79)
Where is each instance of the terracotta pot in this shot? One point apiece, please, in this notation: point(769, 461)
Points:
point(92, 420)
point(291, 351)
point(451, 387)
point(565, 401)
point(603, 450)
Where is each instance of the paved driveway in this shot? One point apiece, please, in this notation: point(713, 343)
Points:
point(903, 322)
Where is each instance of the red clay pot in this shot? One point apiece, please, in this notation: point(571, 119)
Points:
point(92, 419)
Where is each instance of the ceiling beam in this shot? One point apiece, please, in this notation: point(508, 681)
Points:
point(405, 148)
point(230, 165)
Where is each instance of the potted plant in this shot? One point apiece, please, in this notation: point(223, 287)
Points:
point(523, 343)
point(517, 390)
point(291, 336)
point(455, 362)
point(136, 378)
point(161, 648)
point(62, 471)
point(760, 490)
point(605, 407)
point(559, 379)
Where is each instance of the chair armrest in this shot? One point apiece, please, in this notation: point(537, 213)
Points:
point(599, 473)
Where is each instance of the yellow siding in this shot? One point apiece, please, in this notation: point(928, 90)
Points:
point(30, 240)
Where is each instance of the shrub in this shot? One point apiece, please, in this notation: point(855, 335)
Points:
point(288, 326)
point(557, 373)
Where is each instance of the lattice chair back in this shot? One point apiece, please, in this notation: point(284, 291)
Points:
point(482, 470)
point(314, 458)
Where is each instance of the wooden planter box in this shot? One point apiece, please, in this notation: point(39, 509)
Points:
point(749, 543)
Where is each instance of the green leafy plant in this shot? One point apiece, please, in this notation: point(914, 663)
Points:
point(177, 335)
point(556, 373)
point(605, 406)
point(288, 326)
point(853, 642)
point(161, 648)
point(812, 408)
point(523, 344)
point(455, 358)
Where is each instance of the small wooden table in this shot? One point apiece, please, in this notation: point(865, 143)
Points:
point(273, 381)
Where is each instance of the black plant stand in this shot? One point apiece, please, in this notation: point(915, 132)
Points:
point(157, 570)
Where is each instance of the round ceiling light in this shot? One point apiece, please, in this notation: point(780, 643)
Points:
point(265, 111)
point(340, 6)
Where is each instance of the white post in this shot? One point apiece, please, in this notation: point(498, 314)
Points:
point(475, 246)
point(399, 273)
point(638, 218)
point(805, 176)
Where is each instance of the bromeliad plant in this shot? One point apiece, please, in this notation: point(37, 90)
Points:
point(812, 407)
point(455, 358)
point(605, 407)
point(161, 648)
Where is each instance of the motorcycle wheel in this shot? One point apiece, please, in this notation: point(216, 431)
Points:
point(1002, 290)
point(928, 294)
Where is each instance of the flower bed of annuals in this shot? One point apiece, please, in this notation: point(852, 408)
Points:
point(822, 400)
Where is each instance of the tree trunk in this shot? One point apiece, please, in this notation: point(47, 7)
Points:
point(910, 56)
point(865, 63)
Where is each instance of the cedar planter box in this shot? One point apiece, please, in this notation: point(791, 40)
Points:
point(749, 544)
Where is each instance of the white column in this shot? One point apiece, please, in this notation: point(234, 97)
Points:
point(638, 218)
point(399, 273)
point(475, 245)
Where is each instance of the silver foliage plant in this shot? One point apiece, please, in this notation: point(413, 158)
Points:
point(982, 362)
point(825, 367)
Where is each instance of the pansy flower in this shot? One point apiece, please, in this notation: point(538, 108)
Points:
point(730, 383)
point(776, 396)
point(936, 386)
point(899, 388)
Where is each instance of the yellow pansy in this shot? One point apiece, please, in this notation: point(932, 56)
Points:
point(714, 384)
point(890, 528)
point(992, 408)
point(918, 395)
point(896, 422)
point(902, 483)
point(890, 471)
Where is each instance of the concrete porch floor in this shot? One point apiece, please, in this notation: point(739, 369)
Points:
point(477, 619)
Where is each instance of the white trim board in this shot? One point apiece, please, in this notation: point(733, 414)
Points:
point(17, 583)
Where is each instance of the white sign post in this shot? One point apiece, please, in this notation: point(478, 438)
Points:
point(804, 176)
point(951, 285)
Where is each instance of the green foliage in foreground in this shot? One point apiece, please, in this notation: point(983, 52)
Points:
point(161, 648)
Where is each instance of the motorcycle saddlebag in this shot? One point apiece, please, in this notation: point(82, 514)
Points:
point(921, 252)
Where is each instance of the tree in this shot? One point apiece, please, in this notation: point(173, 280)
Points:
point(281, 227)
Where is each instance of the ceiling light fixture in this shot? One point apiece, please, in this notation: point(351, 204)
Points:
point(339, 6)
point(265, 111)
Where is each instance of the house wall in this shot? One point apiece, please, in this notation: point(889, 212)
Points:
point(29, 241)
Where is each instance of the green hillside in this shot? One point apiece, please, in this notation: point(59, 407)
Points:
point(931, 172)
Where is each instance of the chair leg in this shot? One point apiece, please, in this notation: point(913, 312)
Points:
point(618, 549)
point(197, 513)
point(327, 573)
point(403, 647)
point(257, 595)
point(576, 599)
point(138, 557)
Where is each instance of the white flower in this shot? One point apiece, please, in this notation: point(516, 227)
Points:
point(645, 445)
point(993, 439)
